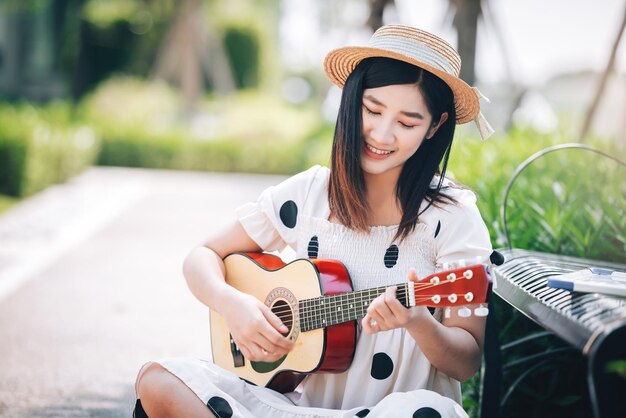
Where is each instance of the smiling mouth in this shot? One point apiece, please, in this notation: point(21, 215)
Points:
point(376, 150)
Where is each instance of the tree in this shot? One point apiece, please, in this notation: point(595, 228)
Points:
point(467, 13)
point(602, 85)
point(190, 51)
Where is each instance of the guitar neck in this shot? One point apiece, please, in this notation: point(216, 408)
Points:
point(325, 311)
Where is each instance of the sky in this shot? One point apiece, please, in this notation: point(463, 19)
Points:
point(538, 38)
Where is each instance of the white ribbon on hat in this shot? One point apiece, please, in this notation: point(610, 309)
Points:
point(484, 128)
point(427, 55)
point(417, 51)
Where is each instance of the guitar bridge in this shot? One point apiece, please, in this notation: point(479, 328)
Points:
point(238, 359)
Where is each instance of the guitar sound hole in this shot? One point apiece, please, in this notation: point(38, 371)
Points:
point(283, 311)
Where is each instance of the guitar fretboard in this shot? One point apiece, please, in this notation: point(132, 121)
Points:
point(325, 311)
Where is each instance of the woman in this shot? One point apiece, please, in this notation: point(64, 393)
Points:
point(386, 211)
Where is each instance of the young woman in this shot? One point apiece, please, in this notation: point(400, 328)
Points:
point(385, 210)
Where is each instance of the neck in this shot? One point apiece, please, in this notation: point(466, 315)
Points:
point(384, 206)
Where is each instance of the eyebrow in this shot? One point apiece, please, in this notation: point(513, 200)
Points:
point(374, 100)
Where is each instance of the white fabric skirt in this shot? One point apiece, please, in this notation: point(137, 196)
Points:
point(226, 395)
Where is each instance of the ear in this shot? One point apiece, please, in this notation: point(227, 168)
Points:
point(442, 120)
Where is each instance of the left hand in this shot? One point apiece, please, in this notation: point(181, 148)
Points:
point(386, 312)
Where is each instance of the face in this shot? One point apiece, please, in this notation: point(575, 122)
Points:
point(395, 123)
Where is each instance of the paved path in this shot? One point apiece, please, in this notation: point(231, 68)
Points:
point(91, 285)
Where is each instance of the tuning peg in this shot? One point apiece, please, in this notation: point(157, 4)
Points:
point(445, 266)
point(481, 311)
point(446, 313)
point(461, 263)
point(468, 274)
point(465, 312)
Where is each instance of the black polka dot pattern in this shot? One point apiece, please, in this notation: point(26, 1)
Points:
point(391, 256)
point(220, 407)
point(438, 228)
point(426, 412)
point(139, 412)
point(314, 247)
point(289, 213)
point(363, 413)
point(382, 366)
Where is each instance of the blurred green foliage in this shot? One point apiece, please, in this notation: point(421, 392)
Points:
point(40, 146)
point(569, 202)
point(250, 131)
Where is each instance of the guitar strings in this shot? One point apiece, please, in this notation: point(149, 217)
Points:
point(401, 288)
point(314, 312)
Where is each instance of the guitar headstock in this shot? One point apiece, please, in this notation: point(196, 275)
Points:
point(456, 287)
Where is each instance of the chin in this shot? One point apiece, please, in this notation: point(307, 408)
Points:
point(378, 168)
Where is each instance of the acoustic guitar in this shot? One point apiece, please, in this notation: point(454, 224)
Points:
point(314, 298)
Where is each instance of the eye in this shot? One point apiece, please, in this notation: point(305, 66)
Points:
point(404, 125)
point(371, 112)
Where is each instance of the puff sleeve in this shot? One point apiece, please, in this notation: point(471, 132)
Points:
point(271, 221)
point(461, 232)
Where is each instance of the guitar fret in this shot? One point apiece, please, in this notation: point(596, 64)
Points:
point(324, 311)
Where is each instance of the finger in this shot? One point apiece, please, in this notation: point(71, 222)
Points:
point(274, 333)
point(269, 346)
point(370, 326)
point(259, 353)
point(274, 320)
point(396, 309)
point(413, 274)
point(381, 313)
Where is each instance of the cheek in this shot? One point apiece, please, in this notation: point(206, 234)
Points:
point(413, 140)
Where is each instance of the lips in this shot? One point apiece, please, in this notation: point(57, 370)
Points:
point(376, 150)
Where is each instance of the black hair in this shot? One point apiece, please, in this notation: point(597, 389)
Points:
point(347, 183)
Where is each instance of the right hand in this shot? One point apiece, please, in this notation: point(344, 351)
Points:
point(257, 331)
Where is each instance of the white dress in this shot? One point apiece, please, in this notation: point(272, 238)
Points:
point(389, 376)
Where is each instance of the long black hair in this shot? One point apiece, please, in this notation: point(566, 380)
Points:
point(347, 194)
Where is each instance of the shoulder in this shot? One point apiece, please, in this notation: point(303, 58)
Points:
point(300, 187)
point(463, 199)
point(460, 213)
point(317, 174)
point(302, 193)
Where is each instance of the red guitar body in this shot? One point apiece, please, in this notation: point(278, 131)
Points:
point(339, 340)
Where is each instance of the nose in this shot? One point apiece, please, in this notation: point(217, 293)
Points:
point(382, 132)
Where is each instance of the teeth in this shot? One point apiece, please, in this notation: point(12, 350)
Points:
point(377, 151)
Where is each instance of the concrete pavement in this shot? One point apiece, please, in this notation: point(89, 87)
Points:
point(91, 285)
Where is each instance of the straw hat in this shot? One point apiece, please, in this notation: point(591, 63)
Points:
point(421, 49)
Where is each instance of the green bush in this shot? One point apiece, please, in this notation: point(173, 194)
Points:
point(41, 146)
point(568, 202)
point(140, 126)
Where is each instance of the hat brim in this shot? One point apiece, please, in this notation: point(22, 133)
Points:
point(339, 64)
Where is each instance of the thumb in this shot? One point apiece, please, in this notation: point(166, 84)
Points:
point(413, 275)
